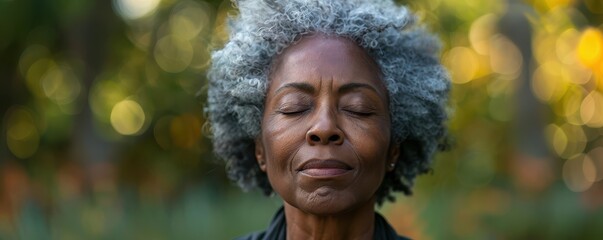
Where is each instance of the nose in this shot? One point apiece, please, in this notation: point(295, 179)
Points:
point(325, 130)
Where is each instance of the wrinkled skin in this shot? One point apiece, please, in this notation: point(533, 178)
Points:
point(325, 142)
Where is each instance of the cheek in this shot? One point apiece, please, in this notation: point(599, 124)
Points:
point(371, 142)
point(281, 141)
point(369, 135)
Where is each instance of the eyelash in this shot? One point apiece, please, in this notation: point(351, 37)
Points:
point(352, 112)
point(296, 112)
point(293, 110)
point(299, 109)
point(359, 113)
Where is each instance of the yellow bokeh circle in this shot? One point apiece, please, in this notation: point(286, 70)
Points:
point(127, 117)
point(590, 47)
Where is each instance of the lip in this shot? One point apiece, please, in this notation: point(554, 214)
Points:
point(324, 168)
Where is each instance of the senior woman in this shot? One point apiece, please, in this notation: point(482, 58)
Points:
point(332, 105)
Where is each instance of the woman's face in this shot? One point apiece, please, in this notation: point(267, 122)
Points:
point(325, 139)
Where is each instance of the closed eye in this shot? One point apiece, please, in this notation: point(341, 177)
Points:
point(291, 112)
point(365, 112)
point(361, 114)
point(295, 109)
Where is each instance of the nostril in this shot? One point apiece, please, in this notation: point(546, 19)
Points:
point(334, 138)
point(315, 138)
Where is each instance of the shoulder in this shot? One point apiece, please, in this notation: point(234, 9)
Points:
point(252, 236)
point(383, 230)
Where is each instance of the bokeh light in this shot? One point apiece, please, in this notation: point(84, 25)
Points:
point(463, 63)
point(133, 9)
point(574, 174)
point(565, 47)
point(591, 109)
point(22, 136)
point(104, 94)
point(61, 85)
point(173, 53)
point(128, 117)
point(189, 19)
point(481, 32)
point(548, 83)
point(570, 108)
point(590, 47)
point(505, 57)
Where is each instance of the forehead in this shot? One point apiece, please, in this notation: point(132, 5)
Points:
point(318, 57)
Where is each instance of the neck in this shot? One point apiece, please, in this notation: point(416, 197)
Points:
point(355, 224)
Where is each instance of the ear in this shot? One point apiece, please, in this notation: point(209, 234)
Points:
point(260, 153)
point(392, 156)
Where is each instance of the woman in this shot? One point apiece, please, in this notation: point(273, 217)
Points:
point(333, 105)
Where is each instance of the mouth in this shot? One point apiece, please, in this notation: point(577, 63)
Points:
point(324, 168)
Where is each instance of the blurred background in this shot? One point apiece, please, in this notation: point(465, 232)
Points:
point(102, 131)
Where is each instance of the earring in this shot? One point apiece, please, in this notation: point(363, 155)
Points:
point(392, 165)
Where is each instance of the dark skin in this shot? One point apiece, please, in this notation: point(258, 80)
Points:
point(325, 142)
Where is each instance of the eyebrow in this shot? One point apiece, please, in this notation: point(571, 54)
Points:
point(304, 87)
point(351, 86)
point(307, 88)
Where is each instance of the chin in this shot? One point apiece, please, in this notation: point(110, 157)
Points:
point(327, 201)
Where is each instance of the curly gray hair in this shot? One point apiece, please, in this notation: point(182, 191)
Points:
point(406, 53)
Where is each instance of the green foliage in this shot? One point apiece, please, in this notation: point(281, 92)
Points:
point(103, 135)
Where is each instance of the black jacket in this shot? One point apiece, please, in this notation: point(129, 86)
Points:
point(278, 229)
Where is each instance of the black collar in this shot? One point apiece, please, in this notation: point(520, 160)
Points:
point(277, 230)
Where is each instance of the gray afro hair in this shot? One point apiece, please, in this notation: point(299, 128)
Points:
point(406, 53)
